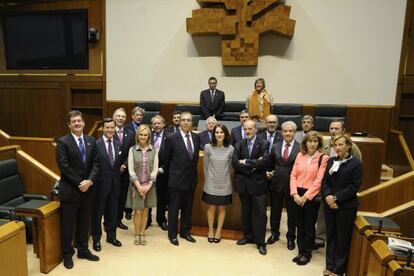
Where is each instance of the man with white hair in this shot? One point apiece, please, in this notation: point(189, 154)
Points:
point(207, 135)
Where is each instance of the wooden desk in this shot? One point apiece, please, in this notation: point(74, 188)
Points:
point(46, 233)
point(13, 256)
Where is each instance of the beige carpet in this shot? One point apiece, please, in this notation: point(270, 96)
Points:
point(159, 257)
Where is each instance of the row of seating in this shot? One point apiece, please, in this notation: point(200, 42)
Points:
point(324, 114)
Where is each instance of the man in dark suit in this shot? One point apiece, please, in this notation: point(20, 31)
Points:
point(180, 156)
point(126, 139)
point(158, 136)
point(282, 158)
point(207, 135)
point(107, 189)
point(271, 134)
point(137, 114)
point(250, 182)
point(237, 133)
point(211, 100)
point(76, 156)
point(176, 119)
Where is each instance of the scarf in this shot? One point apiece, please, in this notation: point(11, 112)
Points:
point(259, 104)
point(337, 163)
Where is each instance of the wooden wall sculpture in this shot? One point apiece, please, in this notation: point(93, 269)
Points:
point(240, 23)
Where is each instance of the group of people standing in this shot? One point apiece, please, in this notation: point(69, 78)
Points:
point(134, 167)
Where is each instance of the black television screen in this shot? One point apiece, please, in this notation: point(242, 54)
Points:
point(46, 39)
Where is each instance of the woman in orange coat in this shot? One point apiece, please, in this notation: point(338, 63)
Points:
point(259, 102)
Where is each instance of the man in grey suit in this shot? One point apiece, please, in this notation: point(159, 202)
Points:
point(77, 158)
point(211, 100)
point(237, 133)
point(282, 158)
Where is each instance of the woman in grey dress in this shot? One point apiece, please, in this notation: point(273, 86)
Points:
point(217, 186)
point(143, 168)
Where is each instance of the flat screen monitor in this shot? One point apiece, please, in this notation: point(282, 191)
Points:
point(46, 39)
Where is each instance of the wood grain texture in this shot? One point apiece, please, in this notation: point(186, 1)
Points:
point(13, 255)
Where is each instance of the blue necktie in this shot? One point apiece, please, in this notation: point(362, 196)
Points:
point(82, 149)
point(249, 148)
point(270, 139)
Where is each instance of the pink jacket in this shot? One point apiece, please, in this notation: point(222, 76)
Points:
point(307, 176)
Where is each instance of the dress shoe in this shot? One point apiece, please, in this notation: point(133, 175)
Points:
point(114, 242)
point(302, 260)
point(96, 245)
point(122, 226)
point(128, 215)
point(217, 240)
point(88, 256)
point(290, 244)
point(163, 226)
point(272, 239)
point(296, 258)
point(318, 245)
point(188, 238)
point(262, 249)
point(68, 262)
point(327, 272)
point(243, 241)
point(174, 241)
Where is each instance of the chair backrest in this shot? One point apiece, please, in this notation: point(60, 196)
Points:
point(288, 112)
point(11, 185)
point(325, 113)
point(152, 108)
point(231, 110)
point(194, 109)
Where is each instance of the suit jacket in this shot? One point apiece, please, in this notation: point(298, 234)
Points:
point(72, 168)
point(164, 175)
point(109, 177)
point(210, 107)
point(182, 170)
point(281, 176)
point(277, 137)
point(236, 135)
point(251, 177)
point(128, 140)
point(204, 139)
point(345, 183)
point(171, 129)
point(130, 126)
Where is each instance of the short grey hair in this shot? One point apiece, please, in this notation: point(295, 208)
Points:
point(289, 123)
point(211, 119)
point(137, 108)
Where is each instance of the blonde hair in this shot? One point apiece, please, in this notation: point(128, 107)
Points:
point(347, 137)
point(141, 129)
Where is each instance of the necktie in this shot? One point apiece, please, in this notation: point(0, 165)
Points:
point(110, 153)
point(210, 136)
point(286, 152)
point(189, 146)
point(82, 149)
point(249, 148)
point(270, 140)
point(243, 134)
point(212, 95)
point(157, 141)
point(120, 136)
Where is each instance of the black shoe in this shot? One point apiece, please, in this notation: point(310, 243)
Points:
point(88, 256)
point(174, 241)
point(272, 239)
point(217, 240)
point(188, 238)
point(128, 215)
point(68, 262)
point(114, 242)
point(302, 260)
point(163, 226)
point(262, 249)
point(243, 241)
point(296, 258)
point(122, 226)
point(96, 245)
point(210, 240)
point(318, 245)
point(290, 244)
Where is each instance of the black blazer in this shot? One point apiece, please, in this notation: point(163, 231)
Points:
point(236, 135)
point(130, 127)
point(128, 140)
point(278, 137)
point(72, 168)
point(211, 107)
point(182, 170)
point(204, 139)
point(166, 133)
point(172, 129)
point(345, 183)
point(109, 177)
point(281, 176)
point(251, 177)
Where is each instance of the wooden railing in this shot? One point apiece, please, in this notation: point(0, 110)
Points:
point(42, 149)
point(95, 130)
point(398, 154)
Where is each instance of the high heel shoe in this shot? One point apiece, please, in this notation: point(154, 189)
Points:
point(137, 240)
point(217, 240)
point(143, 241)
point(210, 240)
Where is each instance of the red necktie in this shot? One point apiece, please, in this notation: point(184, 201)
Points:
point(286, 152)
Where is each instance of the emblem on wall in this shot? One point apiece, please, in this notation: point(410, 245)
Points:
point(240, 23)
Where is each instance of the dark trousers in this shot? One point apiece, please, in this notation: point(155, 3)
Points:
point(254, 216)
point(339, 224)
point(107, 207)
point(305, 218)
point(162, 201)
point(75, 213)
point(123, 196)
point(180, 200)
point(276, 202)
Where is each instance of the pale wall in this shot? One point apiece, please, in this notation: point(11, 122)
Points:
point(342, 52)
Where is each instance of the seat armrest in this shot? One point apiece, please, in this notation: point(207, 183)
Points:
point(6, 212)
point(33, 196)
